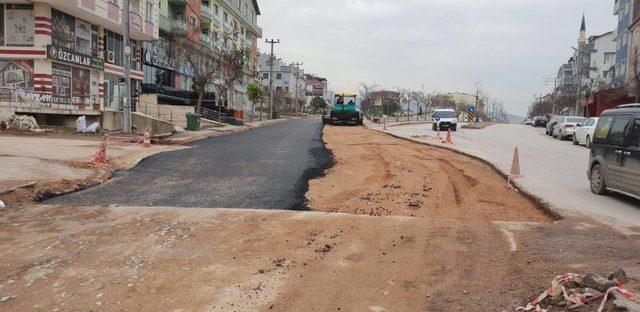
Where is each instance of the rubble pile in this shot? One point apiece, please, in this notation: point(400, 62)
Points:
point(23, 122)
point(574, 291)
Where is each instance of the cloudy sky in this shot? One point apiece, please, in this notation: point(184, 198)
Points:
point(508, 46)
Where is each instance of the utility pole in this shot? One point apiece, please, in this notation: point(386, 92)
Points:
point(297, 73)
point(271, 59)
point(579, 87)
point(126, 99)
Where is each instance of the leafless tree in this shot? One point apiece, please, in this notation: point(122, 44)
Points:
point(634, 74)
point(200, 61)
point(366, 93)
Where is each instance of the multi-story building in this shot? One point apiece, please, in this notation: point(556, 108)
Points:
point(623, 10)
point(565, 75)
point(633, 66)
point(205, 22)
point(317, 87)
point(60, 59)
point(287, 78)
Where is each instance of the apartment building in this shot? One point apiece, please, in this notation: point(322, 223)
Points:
point(205, 22)
point(287, 78)
point(61, 59)
point(623, 10)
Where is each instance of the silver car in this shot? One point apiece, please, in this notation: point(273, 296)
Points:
point(566, 126)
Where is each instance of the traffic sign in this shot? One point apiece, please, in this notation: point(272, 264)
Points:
point(437, 117)
point(471, 109)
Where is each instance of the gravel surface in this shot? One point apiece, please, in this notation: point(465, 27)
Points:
point(266, 168)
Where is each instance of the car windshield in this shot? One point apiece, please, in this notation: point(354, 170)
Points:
point(576, 120)
point(445, 114)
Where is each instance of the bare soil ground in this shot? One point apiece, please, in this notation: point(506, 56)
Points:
point(380, 175)
point(451, 255)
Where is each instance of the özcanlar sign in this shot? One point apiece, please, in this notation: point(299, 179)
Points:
point(69, 56)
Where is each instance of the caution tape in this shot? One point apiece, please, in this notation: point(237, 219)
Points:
point(577, 298)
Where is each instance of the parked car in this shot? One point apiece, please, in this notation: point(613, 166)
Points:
point(552, 123)
point(540, 121)
point(614, 161)
point(447, 119)
point(528, 122)
point(584, 132)
point(566, 126)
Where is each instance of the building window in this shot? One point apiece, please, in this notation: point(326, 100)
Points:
point(239, 4)
point(18, 25)
point(116, 2)
point(113, 43)
point(215, 9)
point(192, 22)
point(265, 75)
point(149, 11)
point(226, 18)
point(16, 74)
point(112, 92)
point(246, 10)
point(278, 76)
point(609, 57)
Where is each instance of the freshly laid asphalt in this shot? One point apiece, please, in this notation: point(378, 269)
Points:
point(264, 168)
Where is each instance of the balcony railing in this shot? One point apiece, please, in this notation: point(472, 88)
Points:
point(178, 27)
point(206, 13)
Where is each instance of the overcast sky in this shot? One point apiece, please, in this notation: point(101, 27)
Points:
point(508, 46)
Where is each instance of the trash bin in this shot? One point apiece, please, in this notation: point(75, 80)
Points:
point(275, 115)
point(193, 122)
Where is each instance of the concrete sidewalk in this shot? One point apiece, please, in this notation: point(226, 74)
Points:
point(44, 163)
point(555, 171)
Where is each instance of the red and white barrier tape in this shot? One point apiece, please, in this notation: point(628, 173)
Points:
point(575, 297)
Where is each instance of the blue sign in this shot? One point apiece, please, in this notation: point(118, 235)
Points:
point(437, 117)
point(472, 109)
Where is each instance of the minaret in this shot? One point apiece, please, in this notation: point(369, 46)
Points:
point(582, 39)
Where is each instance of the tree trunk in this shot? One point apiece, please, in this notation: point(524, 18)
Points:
point(200, 97)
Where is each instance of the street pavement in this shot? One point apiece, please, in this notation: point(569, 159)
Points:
point(554, 170)
point(265, 168)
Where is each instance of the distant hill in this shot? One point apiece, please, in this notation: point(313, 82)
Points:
point(514, 119)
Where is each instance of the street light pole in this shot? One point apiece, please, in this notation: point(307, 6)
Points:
point(271, 59)
point(126, 109)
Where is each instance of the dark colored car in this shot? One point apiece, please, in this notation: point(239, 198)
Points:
point(540, 121)
point(614, 162)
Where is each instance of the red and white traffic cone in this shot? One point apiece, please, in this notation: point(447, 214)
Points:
point(449, 139)
point(515, 172)
point(147, 138)
point(438, 136)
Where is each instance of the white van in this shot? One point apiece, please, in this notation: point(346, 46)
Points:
point(445, 119)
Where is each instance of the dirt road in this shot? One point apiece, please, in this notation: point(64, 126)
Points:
point(461, 256)
point(380, 175)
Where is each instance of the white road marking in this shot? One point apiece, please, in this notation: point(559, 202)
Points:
point(511, 239)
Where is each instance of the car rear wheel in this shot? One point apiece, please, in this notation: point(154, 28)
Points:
point(596, 180)
point(587, 142)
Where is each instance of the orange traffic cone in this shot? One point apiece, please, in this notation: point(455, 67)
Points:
point(449, 139)
point(147, 138)
point(515, 167)
point(438, 136)
point(100, 157)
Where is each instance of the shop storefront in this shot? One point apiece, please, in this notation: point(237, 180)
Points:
point(75, 67)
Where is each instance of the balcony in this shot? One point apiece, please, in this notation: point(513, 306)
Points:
point(206, 13)
point(179, 2)
point(205, 40)
point(178, 27)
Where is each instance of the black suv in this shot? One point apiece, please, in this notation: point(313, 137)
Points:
point(614, 163)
